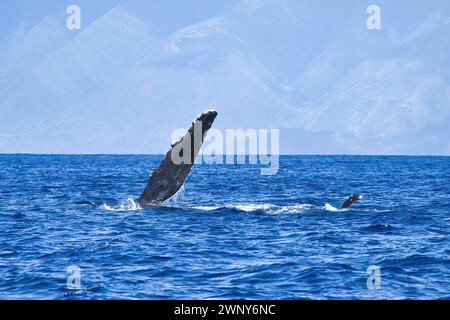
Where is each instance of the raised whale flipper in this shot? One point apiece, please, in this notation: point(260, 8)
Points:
point(353, 198)
point(165, 181)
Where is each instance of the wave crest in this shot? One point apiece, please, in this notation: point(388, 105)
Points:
point(265, 207)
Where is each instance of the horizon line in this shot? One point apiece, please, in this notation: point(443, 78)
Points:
point(224, 155)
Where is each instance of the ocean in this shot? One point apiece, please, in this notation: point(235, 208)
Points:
point(70, 229)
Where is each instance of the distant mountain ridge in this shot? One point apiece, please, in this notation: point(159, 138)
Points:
point(330, 84)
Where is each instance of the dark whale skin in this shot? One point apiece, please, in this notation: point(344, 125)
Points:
point(165, 181)
point(352, 199)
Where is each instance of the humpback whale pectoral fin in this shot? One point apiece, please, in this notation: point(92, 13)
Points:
point(168, 178)
point(350, 200)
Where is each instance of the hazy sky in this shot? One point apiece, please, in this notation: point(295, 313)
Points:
point(137, 70)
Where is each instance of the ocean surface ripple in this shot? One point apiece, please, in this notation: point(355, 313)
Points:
point(230, 233)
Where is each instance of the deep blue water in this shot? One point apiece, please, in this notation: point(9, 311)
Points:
point(230, 233)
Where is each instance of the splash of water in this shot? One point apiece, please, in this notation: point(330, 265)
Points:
point(176, 199)
point(128, 205)
point(329, 207)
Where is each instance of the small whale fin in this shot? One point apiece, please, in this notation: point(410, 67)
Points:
point(165, 181)
point(350, 200)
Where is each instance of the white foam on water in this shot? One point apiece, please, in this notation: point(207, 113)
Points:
point(207, 208)
point(131, 205)
point(251, 207)
point(128, 205)
point(266, 207)
point(329, 207)
point(298, 208)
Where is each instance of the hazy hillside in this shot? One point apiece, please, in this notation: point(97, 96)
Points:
point(128, 78)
